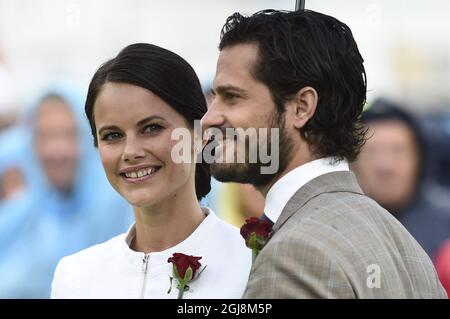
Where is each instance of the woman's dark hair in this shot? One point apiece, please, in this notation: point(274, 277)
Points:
point(164, 73)
point(307, 48)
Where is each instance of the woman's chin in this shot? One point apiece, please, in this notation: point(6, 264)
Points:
point(144, 200)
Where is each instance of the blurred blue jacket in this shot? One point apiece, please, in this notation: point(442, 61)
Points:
point(41, 225)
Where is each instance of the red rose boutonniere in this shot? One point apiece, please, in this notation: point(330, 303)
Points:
point(185, 269)
point(256, 232)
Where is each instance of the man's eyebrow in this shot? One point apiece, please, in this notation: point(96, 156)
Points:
point(224, 88)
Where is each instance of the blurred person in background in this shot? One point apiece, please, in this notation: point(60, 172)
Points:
point(439, 124)
point(252, 203)
point(65, 202)
point(442, 262)
point(11, 176)
point(12, 179)
point(397, 167)
point(236, 202)
point(8, 103)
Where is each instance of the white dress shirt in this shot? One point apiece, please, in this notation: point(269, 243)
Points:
point(283, 189)
point(113, 270)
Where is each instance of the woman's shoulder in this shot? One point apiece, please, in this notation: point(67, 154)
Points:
point(223, 243)
point(222, 225)
point(228, 234)
point(73, 271)
point(93, 255)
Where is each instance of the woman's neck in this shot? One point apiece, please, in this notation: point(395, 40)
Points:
point(167, 223)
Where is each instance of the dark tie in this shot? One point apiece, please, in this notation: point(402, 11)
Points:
point(267, 219)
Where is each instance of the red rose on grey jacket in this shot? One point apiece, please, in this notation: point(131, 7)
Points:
point(260, 228)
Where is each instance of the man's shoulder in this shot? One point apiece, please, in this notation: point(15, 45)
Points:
point(342, 223)
point(351, 229)
point(339, 212)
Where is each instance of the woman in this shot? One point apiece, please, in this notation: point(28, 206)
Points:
point(134, 103)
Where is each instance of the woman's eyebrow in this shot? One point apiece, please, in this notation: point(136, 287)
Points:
point(108, 128)
point(140, 123)
point(148, 119)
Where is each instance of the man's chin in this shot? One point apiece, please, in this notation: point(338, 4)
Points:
point(240, 173)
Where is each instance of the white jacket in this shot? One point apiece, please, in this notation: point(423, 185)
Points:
point(113, 270)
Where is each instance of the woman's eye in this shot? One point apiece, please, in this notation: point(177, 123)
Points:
point(153, 128)
point(111, 136)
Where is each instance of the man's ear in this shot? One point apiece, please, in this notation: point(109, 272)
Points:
point(303, 106)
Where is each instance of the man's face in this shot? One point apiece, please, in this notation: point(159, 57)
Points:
point(388, 165)
point(240, 101)
point(57, 143)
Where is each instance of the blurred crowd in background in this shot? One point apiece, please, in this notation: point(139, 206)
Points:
point(55, 199)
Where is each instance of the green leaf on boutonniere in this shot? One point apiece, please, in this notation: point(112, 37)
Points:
point(188, 275)
point(252, 241)
point(170, 289)
point(175, 272)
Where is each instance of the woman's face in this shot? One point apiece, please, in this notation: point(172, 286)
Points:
point(133, 128)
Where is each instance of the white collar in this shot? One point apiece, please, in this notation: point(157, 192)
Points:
point(187, 246)
point(283, 189)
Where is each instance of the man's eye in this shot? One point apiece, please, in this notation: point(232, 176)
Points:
point(152, 128)
point(230, 96)
point(111, 136)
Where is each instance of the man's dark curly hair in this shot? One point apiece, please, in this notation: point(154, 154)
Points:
point(307, 48)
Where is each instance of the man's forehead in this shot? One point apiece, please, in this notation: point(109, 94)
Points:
point(244, 54)
point(235, 64)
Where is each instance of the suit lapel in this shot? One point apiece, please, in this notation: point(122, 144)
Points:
point(342, 181)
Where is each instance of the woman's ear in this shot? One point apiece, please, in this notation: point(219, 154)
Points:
point(303, 106)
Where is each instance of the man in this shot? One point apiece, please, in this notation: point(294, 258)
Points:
point(397, 167)
point(302, 72)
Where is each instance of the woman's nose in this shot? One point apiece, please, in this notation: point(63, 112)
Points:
point(133, 149)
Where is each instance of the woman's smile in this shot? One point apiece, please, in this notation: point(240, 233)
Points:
point(139, 174)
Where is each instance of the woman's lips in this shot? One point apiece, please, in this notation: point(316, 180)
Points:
point(136, 178)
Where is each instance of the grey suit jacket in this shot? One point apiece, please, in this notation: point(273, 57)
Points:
point(332, 241)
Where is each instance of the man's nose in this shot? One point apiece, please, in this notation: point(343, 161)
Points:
point(214, 117)
point(384, 165)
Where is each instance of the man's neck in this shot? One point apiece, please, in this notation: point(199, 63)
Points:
point(299, 158)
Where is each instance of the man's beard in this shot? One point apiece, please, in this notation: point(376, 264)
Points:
point(250, 173)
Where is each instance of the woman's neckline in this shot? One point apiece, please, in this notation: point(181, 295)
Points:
point(197, 232)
